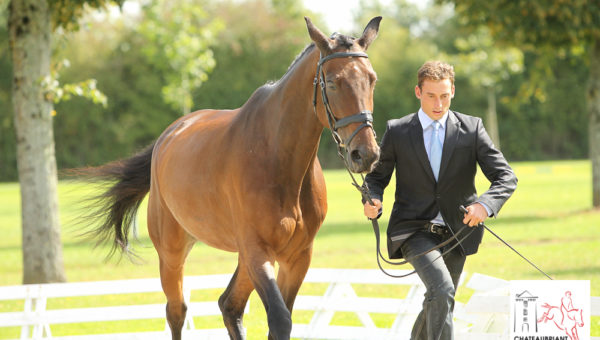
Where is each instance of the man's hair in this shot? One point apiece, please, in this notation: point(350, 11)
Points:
point(435, 70)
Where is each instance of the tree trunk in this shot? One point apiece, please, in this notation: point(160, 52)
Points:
point(29, 38)
point(492, 117)
point(594, 110)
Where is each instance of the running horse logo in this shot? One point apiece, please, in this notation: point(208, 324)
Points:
point(565, 317)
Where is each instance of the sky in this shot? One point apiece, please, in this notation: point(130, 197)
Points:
point(337, 13)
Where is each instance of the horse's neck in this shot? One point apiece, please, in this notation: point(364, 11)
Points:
point(295, 129)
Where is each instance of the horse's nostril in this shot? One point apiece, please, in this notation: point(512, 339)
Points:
point(355, 155)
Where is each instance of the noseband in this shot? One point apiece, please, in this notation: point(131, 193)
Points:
point(365, 117)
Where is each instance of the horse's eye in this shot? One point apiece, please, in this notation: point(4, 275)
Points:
point(331, 85)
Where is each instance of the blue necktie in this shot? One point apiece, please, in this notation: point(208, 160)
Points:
point(435, 151)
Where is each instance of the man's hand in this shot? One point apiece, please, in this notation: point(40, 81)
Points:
point(476, 214)
point(372, 211)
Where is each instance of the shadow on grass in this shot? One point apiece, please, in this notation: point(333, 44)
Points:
point(579, 273)
point(327, 229)
point(508, 220)
point(366, 226)
point(350, 228)
point(502, 221)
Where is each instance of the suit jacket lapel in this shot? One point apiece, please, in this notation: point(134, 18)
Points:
point(416, 137)
point(452, 129)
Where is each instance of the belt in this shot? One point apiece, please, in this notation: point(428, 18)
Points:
point(435, 228)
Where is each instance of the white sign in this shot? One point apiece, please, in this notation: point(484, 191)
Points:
point(550, 310)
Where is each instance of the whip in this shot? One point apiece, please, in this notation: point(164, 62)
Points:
point(463, 209)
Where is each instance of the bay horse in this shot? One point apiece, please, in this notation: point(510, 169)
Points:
point(248, 180)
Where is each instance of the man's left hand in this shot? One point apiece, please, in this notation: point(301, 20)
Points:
point(476, 215)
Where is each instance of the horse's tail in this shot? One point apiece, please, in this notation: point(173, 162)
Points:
point(124, 184)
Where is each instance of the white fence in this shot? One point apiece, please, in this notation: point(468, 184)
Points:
point(36, 321)
point(484, 316)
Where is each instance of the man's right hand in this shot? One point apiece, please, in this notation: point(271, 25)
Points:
point(372, 211)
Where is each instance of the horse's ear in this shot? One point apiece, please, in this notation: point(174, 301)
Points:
point(370, 33)
point(320, 39)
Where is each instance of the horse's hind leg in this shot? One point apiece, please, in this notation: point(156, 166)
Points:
point(172, 279)
point(233, 301)
point(173, 245)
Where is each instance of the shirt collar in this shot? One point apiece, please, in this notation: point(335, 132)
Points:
point(426, 121)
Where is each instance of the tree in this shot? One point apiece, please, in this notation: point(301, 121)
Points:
point(252, 50)
point(486, 65)
point(554, 26)
point(180, 34)
point(30, 27)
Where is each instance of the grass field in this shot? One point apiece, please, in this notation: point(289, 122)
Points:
point(549, 219)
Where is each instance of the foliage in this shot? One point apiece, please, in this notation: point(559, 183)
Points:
point(135, 115)
point(533, 129)
point(252, 50)
point(66, 13)
point(551, 29)
point(483, 62)
point(535, 23)
point(56, 93)
point(179, 36)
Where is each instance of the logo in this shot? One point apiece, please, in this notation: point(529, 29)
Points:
point(550, 310)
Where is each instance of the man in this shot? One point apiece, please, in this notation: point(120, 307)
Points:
point(435, 153)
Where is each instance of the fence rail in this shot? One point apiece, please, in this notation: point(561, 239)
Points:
point(483, 317)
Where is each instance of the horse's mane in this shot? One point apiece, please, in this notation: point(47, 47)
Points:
point(340, 39)
point(301, 55)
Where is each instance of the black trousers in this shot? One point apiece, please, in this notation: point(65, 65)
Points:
point(440, 276)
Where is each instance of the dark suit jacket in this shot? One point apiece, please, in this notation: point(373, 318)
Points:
point(418, 197)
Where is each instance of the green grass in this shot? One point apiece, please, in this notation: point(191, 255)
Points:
point(549, 219)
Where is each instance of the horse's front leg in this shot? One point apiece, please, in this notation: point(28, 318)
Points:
point(574, 335)
point(259, 264)
point(291, 275)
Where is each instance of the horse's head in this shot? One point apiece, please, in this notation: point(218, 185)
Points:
point(347, 81)
point(579, 318)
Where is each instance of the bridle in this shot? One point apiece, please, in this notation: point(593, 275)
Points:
point(365, 116)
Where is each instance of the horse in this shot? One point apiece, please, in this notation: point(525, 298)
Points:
point(248, 180)
point(566, 322)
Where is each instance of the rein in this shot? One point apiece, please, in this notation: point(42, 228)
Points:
point(364, 190)
point(366, 118)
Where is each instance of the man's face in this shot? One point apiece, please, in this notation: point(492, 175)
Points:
point(435, 96)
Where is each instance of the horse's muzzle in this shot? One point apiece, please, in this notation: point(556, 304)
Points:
point(363, 158)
